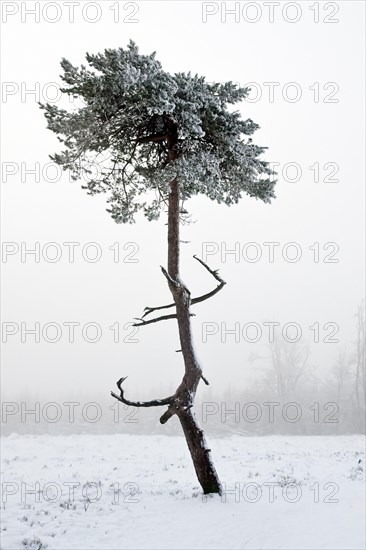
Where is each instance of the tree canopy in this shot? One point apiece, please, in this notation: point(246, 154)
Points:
point(127, 108)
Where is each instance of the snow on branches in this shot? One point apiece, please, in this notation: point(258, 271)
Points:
point(139, 127)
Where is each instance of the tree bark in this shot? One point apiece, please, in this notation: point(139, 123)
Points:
point(185, 395)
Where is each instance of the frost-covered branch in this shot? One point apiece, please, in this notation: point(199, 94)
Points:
point(159, 126)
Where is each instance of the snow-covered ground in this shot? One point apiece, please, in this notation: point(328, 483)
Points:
point(129, 491)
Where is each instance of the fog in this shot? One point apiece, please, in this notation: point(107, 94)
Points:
point(295, 266)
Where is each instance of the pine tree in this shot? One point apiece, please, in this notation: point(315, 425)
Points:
point(149, 139)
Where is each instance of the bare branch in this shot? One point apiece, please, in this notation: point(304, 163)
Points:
point(208, 295)
point(205, 380)
point(214, 272)
point(168, 414)
point(215, 290)
point(153, 403)
point(156, 320)
point(169, 279)
point(172, 409)
point(197, 300)
point(149, 310)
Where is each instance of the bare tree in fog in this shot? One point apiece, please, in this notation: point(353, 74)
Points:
point(289, 366)
point(360, 382)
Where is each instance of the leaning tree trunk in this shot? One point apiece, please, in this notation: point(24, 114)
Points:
point(183, 404)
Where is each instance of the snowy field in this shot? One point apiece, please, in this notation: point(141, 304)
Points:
point(123, 491)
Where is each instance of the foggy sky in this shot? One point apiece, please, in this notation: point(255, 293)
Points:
point(304, 132)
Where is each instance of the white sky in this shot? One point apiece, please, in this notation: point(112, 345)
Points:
point(304, 132)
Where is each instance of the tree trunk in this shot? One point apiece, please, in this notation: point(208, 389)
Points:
point(181, 403)
point(186, 392)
